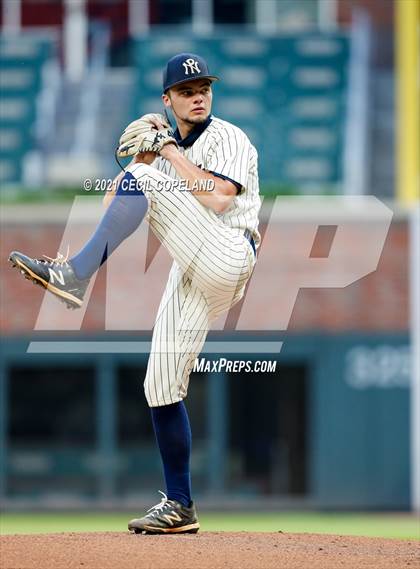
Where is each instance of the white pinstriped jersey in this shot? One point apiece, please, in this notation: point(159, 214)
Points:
point(224, 149)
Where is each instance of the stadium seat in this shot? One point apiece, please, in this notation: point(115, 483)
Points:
point(21, 61)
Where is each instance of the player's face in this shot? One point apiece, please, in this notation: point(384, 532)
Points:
point(190, 102)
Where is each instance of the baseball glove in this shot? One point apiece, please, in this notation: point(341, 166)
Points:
point(143, 135)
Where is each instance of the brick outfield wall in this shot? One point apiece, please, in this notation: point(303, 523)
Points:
point(377, 302)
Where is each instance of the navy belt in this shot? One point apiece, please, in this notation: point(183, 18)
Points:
point(248, 235)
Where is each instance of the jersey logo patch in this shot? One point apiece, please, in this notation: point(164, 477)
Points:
point(56, 276)
point(191, 66)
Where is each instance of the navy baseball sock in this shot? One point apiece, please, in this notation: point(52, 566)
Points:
point(123, 216)
point(173, 434)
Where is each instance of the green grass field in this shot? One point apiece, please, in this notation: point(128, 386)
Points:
point(401, 526)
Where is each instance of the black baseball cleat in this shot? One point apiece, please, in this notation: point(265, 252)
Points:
point(169, 516)
point(56, 275)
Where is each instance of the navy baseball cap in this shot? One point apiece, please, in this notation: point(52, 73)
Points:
point(185, 67)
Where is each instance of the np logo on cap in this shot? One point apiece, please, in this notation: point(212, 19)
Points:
point(185, 67)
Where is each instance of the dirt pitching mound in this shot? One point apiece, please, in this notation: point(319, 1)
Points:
point(205, 551)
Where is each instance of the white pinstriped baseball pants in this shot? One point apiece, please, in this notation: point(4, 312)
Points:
point(212, 264)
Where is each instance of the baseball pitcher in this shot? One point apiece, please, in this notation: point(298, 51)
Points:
point(198, 189)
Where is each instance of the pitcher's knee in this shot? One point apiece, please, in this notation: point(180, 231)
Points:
point(227, 286)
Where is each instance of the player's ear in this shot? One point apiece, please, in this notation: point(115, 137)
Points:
point(166, 100)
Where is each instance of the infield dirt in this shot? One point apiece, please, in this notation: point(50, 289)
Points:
point(205, 550)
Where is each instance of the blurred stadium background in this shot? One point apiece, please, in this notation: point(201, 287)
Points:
point(326, 90)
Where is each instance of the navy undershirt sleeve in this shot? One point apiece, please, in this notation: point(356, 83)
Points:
point(236, 184)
